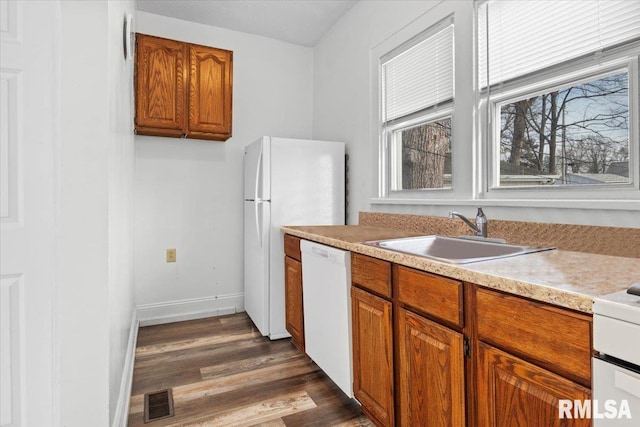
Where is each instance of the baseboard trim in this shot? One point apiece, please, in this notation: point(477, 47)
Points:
point(189, 309)
point(121, 417)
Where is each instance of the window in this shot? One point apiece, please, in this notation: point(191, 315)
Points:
point(560, 94)
point(417, 102)
point(573, 135)
point(422, 156)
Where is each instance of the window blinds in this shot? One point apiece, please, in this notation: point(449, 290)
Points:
point(420, 76)
point(518, 37)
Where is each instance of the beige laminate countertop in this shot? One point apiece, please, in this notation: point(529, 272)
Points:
point(564, 278)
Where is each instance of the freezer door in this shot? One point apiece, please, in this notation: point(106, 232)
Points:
point(256, 170)
point(256, 263)
point(307, 182)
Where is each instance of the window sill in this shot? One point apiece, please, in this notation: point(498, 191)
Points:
point(618, 205)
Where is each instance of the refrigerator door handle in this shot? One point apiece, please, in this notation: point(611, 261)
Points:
point(258, 230)
point(258, 233)
point(258, 167)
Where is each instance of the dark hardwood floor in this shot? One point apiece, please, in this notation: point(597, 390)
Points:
point(222, 372)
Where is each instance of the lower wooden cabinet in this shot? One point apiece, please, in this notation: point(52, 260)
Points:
point(433, 351)
point(373, 355)
point(553, 338)
point(293, 301)
point(513, 392)
point(294, 310)
point(431, 373)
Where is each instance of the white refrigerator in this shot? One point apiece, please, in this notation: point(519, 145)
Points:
point(286, 182)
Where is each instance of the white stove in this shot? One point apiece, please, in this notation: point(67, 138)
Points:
point(616, 362)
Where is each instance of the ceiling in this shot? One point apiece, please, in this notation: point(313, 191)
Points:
point(301, 22)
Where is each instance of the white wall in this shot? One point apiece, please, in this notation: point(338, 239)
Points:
point(94, 257)
point(121, 165)
point(82, 222)
point(188, 193)
point(345, 102)
point(342, 89)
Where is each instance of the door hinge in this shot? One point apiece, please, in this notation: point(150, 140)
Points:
point(466, 347)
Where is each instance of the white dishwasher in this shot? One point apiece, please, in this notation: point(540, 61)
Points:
point(326, 295)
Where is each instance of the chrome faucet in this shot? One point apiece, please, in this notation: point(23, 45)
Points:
point(480, 227)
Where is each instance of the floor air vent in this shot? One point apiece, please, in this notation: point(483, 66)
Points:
point(158, 405)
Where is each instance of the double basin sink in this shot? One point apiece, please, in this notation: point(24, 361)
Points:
point(455, 250)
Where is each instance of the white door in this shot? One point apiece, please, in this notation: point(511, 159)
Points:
point(27, 140)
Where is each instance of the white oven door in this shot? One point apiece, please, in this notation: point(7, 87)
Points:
point(616, 395)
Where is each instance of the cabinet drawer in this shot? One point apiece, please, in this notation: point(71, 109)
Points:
point(431, 294)
point(292, 247)
point(557, 339)
point(371, 273)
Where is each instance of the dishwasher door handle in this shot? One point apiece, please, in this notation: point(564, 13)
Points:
point(320, 252)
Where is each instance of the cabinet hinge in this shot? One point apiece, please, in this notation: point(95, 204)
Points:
point(466, 347)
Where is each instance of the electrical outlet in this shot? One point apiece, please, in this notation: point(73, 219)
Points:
point(171, 255)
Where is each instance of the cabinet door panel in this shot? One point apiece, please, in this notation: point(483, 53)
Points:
point(431, 373)
point(512, 392)
point(160, 86)
point(293, 301)
point(373, 355)
point(210, 87)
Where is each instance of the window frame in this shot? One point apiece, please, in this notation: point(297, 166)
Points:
point(470, 151)
point(561, 76)
point(385, 129)
point(439, 112)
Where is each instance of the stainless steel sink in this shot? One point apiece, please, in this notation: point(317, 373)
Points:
point(455, 250)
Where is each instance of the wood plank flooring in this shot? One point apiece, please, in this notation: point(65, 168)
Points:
point(224, 373)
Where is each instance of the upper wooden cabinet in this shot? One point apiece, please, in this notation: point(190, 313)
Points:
point(210, 87)
point(182, 89)
point(161, 82)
